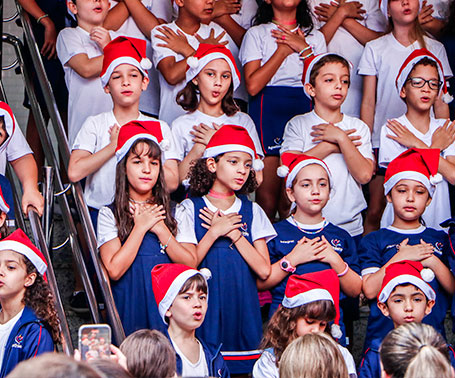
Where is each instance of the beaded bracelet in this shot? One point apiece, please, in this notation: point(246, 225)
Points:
point(346, 268)
point(306, 56)
point(305, 49)
point(163, 247)
point(41, 17)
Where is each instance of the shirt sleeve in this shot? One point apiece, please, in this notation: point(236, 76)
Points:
point(261, 228)
point(39, 341)
point(367, 66)
point(369, 255)
point(293, 137)
point(184, 215)
point(388, 148)
point(87, 136)
point(349, 254)
point(369, 367)
point(252, 46)
point(17, 145)
point(365, 148)
point(274, 251)
point(442, 56)
point(107, 226)
point(171, 152)
point(160, 52)
point(179, 141)
point(375, 19)
point(265, 367)
point(69, 44)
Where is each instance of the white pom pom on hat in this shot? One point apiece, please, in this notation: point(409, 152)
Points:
point(427, 274)
point(165, 144)
point(335, 331)
point(146, 64)
point(192, 62)
point(282, 171)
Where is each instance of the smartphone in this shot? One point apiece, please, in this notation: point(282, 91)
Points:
point(94, 341)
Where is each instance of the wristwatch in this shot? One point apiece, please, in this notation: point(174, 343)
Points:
point(287, 266)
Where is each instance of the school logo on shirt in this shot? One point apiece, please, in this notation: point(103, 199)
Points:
point(244, 230)
point(438, 247)
point(287, 241)
point(390, 246)
point(277, 144)
point(336, 244)
point(18, 341)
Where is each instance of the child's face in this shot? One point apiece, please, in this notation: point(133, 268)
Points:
point(126, 85)
point(330, 86)
point(232, 170)
point(199, 9)
point(188, 310)
point(409, 199)
point(214, 81)
point(13, 275)
point(421, 99)
point(406, 304)
point(311, 189)
point(142, 172)
point(92, 12)
point(306, 326)
point(3, 133)
point(403, 12)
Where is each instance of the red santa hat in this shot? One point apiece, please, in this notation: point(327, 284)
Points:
point(383, 4)
point(414, 164)
point(292, 163)
point(3, 205)
point(231, 138)
point(10, 123)
point(124, 50)
point(415, 57)
point(308, 65)
point(204, 55)
point(407, 272)
point(167, 281)
point(134, 130)
point(20, 243)
point(312, 287)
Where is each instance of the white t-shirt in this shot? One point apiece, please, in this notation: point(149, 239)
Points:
point(169, 109)
point(261, 228)
point(246, 14)
point(346, 201)
point(344, 43)
point(182, 126)
point(5, 330)
point(439, 208)
point(107, 229)
point(383, 58)
point(16, 148)
point(258, 44)
point(86, 96)
point(265, 366)
point(94, 136)
point(198, 369)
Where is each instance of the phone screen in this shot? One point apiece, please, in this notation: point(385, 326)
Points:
point(95, 341)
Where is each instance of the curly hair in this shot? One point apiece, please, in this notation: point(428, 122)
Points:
point(160, 194)
point(201, 179)
point(282, 327)
point(39, 298)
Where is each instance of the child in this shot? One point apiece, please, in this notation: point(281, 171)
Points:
point(175, 42)
point(208, 97)
point(408, 187)
point(181, 295)
point(80, 51)
point(309, 305)
point(28, 321)
point(420, 82)
point(272, 53)
point(230, 241)
point(15, 150)
point(124, 78)
point(405, 297)
point(379, 65)
point(343, 142)
point(306, 242)
point(136, 232)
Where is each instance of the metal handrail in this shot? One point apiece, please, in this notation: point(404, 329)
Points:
point(40, 242)
point(82, 209)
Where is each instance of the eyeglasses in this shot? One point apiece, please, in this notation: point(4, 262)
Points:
point(418, 82)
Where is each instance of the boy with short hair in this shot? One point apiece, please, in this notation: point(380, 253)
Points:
point(181, 294)
point(343, 142)
point(405, 297)
point(124, 77)
point(80, 51)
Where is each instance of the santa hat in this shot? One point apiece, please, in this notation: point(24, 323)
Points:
point(231, 138)
point(415, 57)
point(383, 4)
point(20, 243)
point(10, 123)
point(308, 66)
point(292, 163)
point(124, 50)
point(168, 280)
point(134, 130)
point(205, 53)
point(3, 205)
point(312, 287)
point(407, 272)
point(414, 164)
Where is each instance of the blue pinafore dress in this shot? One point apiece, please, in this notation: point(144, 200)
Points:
point(133, 293)
point(233, 317)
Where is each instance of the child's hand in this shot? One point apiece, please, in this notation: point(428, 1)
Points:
point(306, 250)
point(101, 36)
point(177, 42)
point(325, 11)
point(202, 133)
point(113, 134)
point(32, 197)
point(426, 13)
point(147, 216)
point(416, 252)
point(119, 357)
point(352, 9)
point(328, 254)
point(403, 135)
point(223, 224)
point(211, 39)
point(443, 136)
point(50, 38)
point(206, 215)
point(294, 40)
point(222, 7)
point(355, 139)
point(327, 132)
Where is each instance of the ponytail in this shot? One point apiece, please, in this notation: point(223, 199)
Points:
point(428, 362)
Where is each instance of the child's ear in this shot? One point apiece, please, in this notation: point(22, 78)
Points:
point(30, 279)
point(145, 83)
point(194, 81)
point(106, 89)
point(168, 313)
point(388, 197)
point(290, 194)
point(384, 309)
point(211, 165)
point(310, 89)
point(72, 7)
point(428, 201)
point(429, 307)
point(403, 92)
point(179, 3)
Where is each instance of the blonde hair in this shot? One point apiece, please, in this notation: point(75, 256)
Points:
point(313, 355)
point(415, 350)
